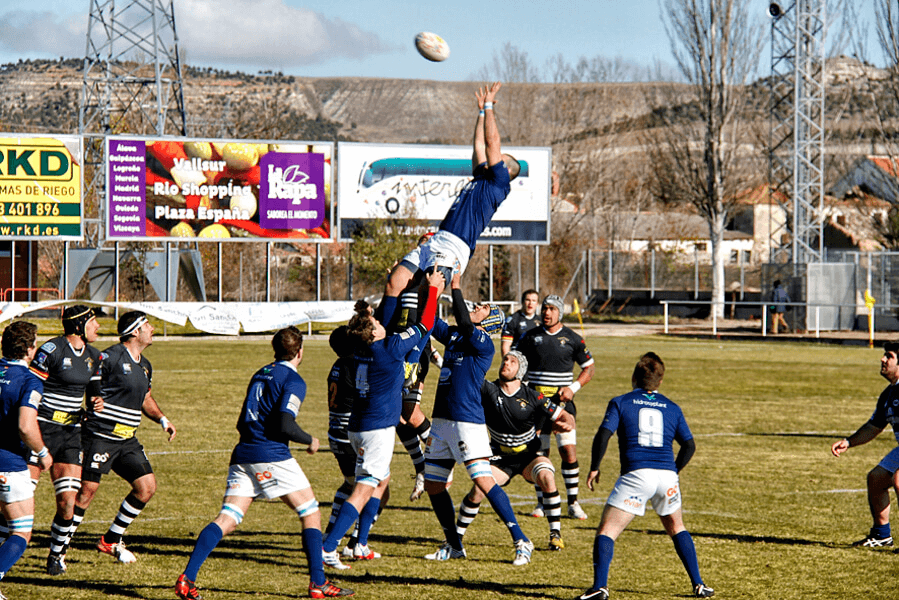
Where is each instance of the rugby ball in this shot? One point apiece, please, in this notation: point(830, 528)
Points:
point(432, 46)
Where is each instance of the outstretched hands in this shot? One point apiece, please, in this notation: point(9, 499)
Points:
point(487, 93)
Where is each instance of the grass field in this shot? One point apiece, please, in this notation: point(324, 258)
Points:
point(771, 512)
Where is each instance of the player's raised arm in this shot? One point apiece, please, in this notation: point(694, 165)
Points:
point(479, 143)
point(491, 131)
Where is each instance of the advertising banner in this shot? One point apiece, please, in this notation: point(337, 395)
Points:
point(411, 181)
point(40, 187)
point(217, 190)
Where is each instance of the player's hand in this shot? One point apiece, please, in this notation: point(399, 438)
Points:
point(481, 95)
point(437, 280)
point(170, 429)
point(97, 403)
point(491, 93)
point(313, 446)
point(565, 394)
point(564, 423)
point(839, 447)
point(45, 462)
point(592, 476)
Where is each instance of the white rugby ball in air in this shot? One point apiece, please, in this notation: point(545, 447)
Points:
point(432, 46)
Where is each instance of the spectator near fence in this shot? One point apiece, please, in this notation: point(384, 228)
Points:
point(779, 301)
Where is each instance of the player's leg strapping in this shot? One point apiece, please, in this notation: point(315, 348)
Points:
point(129, 510)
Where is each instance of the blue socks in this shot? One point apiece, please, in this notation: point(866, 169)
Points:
point(206, 543)
point(683, 543)
point(500, 503)
point(312, 544)
point(345, 519)
point(603, 551)
point(367, 519)
point(880, 531)
point(10, 552)
point(446, 514)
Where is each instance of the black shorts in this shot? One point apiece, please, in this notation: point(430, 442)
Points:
point(346, 457)
point(63, 442)
point(514, 464)
point(126, 459)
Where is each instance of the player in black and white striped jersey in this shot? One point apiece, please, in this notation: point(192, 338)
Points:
point(66, 364)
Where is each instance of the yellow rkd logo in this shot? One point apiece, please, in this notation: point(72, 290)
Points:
point(29, 162)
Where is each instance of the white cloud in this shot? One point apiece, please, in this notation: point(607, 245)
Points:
point(233, 33)
point(31, 32)
point(267, 32)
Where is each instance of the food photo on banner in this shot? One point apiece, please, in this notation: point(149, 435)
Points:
point(217, 190)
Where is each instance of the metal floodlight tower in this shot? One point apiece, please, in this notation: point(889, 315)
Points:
point(131, 85)
point(796, 143)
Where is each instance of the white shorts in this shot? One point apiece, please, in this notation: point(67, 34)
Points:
point(444, 249)
point(374, 451)
point(269, 480)
point(458, 441)
point(15, 486)
point(633, 490)
point(890, 462)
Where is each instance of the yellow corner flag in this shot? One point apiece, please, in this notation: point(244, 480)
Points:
point(577, 311)
point(869, 304)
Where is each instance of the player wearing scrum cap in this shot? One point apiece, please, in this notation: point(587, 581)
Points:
point(515, 414)
point(552, 351)
point(20, 397)
point(66, 364)
point(123, 380)
point(458, 427)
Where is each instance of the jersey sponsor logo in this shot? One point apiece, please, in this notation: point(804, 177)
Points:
point(671, 491)
point(66, 363)
point(263, 476)
point(41, 360)
point(49, 347)
point(463, 447)
point(126, 368)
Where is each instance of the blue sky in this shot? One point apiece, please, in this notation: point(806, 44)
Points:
point(368, 38)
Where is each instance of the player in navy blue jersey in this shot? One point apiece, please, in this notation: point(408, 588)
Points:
point(458, 428)
point(882, 478)
point(377, 407)
point(20, 435)
point(552, 351)
point(452, 246)
point(521, 321)
point(647, 424)
point(66, 364)
point(515, 414)
point(261, 465)
point(123, 379)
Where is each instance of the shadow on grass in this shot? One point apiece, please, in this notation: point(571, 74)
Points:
point(753, 539)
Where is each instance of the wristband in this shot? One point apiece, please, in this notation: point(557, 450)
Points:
point(488, 106)
point(481, 113)
point(43, 452)
point(574, 387)
point(164, 422)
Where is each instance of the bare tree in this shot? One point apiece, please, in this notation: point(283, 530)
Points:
point(717, 46)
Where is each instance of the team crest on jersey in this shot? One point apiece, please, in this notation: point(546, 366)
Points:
point(90, 364)
point(126, 368)
point(562, 341)
point(538, 339)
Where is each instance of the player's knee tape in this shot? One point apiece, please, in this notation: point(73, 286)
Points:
point(542, 466)
point(233, 511)
point(21, 525)
point(66, 484)
point(308, 508)
point(479, 468)
point(441, 473)
point(567, 438)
